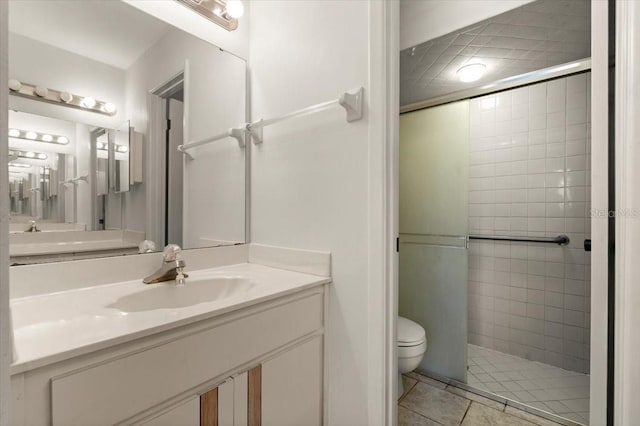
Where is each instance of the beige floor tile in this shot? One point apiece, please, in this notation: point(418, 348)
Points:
point(407, 384)
point(409, 418)
point(530, 417)
point(436, 404)
point(481, 415)
point(424, 379)
point(474, 397)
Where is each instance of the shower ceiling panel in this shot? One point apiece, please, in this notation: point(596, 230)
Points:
point(532, 37)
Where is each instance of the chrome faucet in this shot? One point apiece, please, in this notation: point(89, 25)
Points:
point(172, 267)
point(32, 227)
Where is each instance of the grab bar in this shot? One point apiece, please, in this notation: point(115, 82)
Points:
point(561, 240)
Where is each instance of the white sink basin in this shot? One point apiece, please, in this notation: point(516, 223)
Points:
point(170, 296)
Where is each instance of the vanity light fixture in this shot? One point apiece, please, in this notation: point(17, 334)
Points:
point(58, 97)
point(28, 154)
point(20, 165)
point(88, 102)
point(105, 147)
point(471, 72)
point(38, 137)
point(224, 13)
point(235, 8)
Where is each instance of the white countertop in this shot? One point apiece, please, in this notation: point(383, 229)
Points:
point(49, 243)
point(52, 327)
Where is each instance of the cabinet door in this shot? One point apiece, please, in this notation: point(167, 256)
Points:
point(225, 405)
point(187, 414)
point(291, 387)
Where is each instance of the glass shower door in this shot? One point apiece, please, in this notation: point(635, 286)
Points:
point(434, 146)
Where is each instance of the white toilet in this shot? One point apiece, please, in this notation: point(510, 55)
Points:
point(412, 344)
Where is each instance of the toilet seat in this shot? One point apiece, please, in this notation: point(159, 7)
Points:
point(410, 334)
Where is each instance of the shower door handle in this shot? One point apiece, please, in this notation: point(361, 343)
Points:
point(587, 245)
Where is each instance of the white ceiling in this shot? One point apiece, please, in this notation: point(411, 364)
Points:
point(537, 35)
point(107, 31)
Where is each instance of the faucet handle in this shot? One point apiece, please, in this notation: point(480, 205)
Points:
point(172, 253)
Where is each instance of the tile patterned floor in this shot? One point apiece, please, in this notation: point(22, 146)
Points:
point(427, 402)
point(552, 389)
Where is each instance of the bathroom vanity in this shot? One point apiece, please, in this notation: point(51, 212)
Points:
point(242, 343)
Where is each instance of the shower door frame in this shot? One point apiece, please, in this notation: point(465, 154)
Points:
point(601, 370)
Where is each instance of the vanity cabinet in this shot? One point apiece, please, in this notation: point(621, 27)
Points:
point(260, 365)
point(185, 414)
point(282, 391)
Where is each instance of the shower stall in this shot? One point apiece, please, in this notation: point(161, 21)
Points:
point(495, 229)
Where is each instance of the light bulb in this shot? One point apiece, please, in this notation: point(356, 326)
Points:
point(63, 140)
point(99, 145)
point(235, 8)
point(30, 154)
point(42, 91)
point(122, 148)
point(471, 72)
point(47, 138)
point(42, 156)
point(31, 135)
point(14, 133)
point(88, 102)
point(14, 85)
point(109, 108)
point(66, 97)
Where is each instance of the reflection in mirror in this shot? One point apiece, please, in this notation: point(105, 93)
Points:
point(103, 176)
point(119, 158)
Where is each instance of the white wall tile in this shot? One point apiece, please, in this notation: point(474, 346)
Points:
point(529, 158)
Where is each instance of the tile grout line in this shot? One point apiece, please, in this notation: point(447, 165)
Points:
point(466, 411)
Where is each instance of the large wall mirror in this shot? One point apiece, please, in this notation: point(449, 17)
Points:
point(101, 96)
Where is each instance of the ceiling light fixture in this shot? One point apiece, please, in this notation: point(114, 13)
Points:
point(43, 94)
point(38, 137)
point(471, 72)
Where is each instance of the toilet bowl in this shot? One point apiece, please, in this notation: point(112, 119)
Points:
point(412, 344)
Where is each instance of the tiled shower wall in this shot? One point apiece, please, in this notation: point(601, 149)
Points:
point(529, 176)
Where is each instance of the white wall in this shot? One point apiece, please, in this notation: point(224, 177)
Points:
point(38, 63)
point(423, 20)
point(215, 95)
point(530, 162)
point(311, 176)
point(236, 42)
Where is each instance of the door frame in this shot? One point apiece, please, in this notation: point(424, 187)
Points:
point(6, 333)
